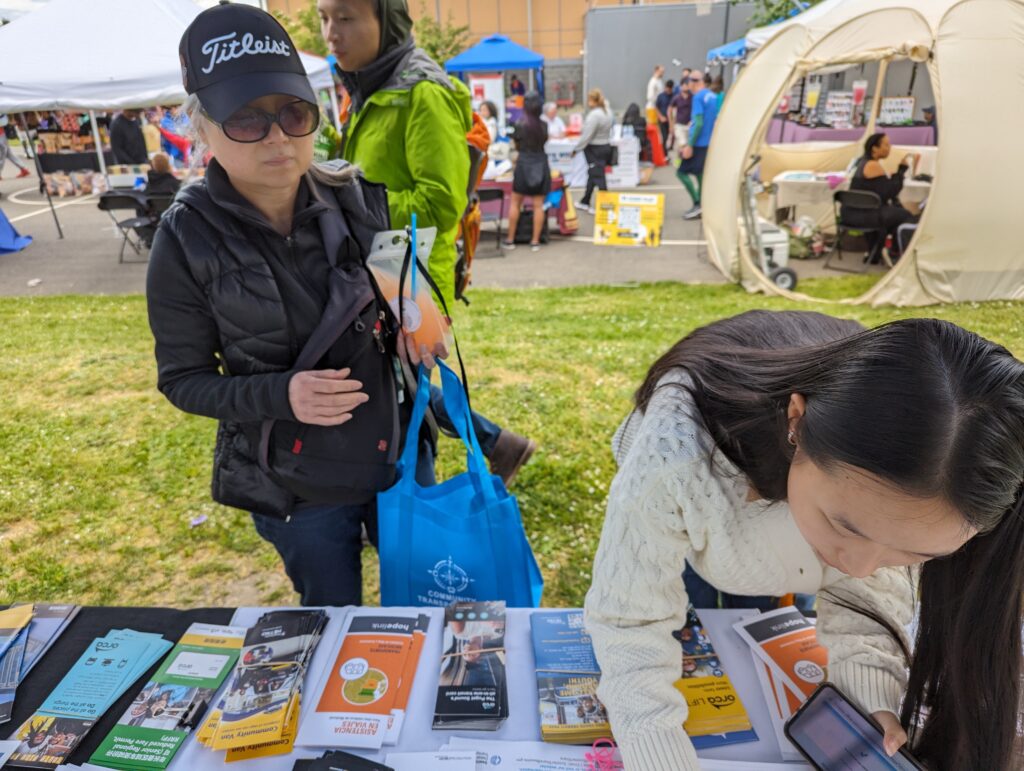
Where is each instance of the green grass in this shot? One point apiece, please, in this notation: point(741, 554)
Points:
point(100, 476)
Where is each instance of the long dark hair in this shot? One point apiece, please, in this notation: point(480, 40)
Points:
point(531, 130)
point(934, 410)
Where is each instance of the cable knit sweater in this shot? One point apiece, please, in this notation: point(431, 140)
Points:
point(674, 500)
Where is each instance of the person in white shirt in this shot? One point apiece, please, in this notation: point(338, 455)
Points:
point(556, 126)
point(654, 87)
point(781, 452)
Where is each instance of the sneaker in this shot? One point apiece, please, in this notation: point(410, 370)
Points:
point(693, 213)
point(24, 173)
point(510, 453)
point(585, 207)
point(534, 247)
point(508, 245)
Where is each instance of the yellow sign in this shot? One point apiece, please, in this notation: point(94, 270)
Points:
point(628, 219)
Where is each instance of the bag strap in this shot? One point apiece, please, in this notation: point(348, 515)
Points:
point(336, 318)
point(406, 263)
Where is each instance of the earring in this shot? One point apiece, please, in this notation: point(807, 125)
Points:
point(791, 437)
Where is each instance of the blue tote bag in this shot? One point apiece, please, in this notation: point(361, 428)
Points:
point(460, 540)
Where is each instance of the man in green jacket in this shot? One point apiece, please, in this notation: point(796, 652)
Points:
point(407, 129)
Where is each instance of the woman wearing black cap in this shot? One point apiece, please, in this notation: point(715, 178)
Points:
point(264, 316)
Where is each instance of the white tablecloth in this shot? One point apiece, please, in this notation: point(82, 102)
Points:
point(574, 169)
point(814, 192)
point(523, 722)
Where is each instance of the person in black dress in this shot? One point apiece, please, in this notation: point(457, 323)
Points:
point(532, 175)
point(869, 175)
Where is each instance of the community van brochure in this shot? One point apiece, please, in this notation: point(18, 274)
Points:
point(361, 699)
point(154, 726)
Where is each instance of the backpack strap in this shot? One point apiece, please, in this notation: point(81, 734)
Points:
point(341, 309)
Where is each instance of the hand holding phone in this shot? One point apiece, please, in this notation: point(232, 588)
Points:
point(835, 735)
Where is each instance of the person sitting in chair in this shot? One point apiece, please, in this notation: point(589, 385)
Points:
point(868, 175)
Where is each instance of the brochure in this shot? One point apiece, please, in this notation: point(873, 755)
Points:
point(717, 716)
point(10, 673)
point(786, 641)
point(472, 692)
point(336, 760)
point(567, 679)
point(48, 623)
point(443, 760)
point(362, 697)
point(12, 621)
point(781, 706)
point(107, 668)
point(264, 689)
point(153, 728)
point(536, 756)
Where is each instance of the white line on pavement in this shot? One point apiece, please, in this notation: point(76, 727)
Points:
point(590, 239)
point(56, 206)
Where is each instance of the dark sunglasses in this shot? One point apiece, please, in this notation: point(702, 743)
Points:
point(296, 119)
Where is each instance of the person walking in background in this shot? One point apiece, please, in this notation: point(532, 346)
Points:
point(679, 110)
point(532, 175)
point(595, 142)
point(556, 126)
point(718, 87)
point(654, 87)
point(126, 139)
point(7, 127)
point(704, 113)
point(516, 87)
point(661, 106)
point(407, 130)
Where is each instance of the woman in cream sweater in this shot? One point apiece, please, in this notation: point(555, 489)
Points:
point(793, 452)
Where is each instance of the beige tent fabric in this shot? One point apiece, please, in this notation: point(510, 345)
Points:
point(968, 245)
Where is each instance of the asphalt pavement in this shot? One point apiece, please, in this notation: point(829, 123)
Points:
point(85, 260)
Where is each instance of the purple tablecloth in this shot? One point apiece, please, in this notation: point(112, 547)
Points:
point(787, 132)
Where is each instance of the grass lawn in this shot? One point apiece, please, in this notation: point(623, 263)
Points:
point(100, 476)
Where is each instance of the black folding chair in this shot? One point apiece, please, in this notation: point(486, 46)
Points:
point(869, 206)
point(136, 231)
point(492, 194)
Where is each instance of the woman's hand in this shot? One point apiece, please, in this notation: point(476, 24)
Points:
point(687, 152)
point(324, 397)
point(895, 736)
point(408, 352)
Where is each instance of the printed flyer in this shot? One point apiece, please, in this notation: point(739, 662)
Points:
point(787, 641)
point(152, 729)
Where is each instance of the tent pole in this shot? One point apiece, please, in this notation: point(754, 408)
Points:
point(99, 145)
point(39, 170)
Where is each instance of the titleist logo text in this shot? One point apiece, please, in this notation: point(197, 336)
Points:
point(228, 47)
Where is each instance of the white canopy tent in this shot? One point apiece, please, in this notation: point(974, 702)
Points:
point(102, 55)
point(967, 246)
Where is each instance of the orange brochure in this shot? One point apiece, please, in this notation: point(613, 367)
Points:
point(787, 641)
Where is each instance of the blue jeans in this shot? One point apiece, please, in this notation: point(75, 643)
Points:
point(486, 431)
point(322, 545)
point(704, 595)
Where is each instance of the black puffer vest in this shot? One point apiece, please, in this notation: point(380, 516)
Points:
point(255, 336)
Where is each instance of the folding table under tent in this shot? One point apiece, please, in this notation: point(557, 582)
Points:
point(111, 54)
point(967, 246)
point(498, 54)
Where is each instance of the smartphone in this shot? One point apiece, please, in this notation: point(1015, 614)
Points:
point(834, 735)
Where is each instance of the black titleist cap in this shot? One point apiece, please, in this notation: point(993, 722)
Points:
point(233, 54)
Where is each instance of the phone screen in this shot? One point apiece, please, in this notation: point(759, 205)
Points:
point(836, 737)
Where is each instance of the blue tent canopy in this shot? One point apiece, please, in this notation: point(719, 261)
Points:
point(494, 54)
point(730, 52)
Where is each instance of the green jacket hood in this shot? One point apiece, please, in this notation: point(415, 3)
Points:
point(395, 24)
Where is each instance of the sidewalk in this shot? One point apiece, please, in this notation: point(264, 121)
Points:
point(85, 260)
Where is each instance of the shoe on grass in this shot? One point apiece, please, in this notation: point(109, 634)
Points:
point(510, 453)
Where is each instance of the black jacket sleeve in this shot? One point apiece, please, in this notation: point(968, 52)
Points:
point(187, 347)
point(895, 185)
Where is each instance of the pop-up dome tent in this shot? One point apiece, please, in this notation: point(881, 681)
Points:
point(497, 54)
point(968, 244)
